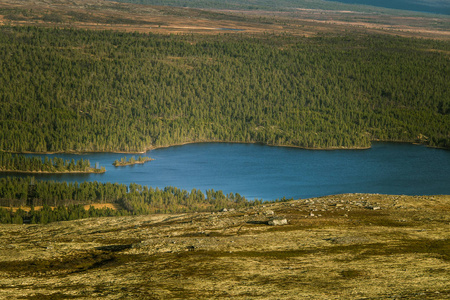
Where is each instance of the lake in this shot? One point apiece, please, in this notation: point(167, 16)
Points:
point(429, 6)
point(264, 172)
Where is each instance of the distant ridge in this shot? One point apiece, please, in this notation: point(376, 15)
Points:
point(424, 6)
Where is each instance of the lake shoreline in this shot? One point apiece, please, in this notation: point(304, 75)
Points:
point(256, 171)
point(49, 172)
point(225, 142)
point(259, 143)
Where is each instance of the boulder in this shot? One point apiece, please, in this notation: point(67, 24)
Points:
point(277, 221)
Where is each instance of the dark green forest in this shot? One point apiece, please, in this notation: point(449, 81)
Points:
point(76, 90)
point(21, 163)
point(61, 213)
point(68, 200)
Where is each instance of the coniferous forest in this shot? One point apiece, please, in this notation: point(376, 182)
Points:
point(20, 163)
point(64, 201)
point(76, 90)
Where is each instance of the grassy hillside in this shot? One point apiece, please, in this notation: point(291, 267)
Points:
point(350, 247)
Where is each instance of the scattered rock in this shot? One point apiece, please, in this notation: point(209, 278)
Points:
point(373, 207)
point(277, 221)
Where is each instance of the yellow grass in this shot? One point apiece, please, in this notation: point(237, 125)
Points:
point(345, 251)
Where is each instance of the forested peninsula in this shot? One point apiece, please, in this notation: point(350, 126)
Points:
point(76, 90)
point(22, 164)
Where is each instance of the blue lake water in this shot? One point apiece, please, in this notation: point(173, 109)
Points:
point(429, 6)
point(263, 172)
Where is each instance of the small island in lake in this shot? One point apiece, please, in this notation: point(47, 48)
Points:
point(132, 161)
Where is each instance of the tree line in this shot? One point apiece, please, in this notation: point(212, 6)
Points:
point(77, 90)
point(48, 214)
point(67, 200)
point(21, 163)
